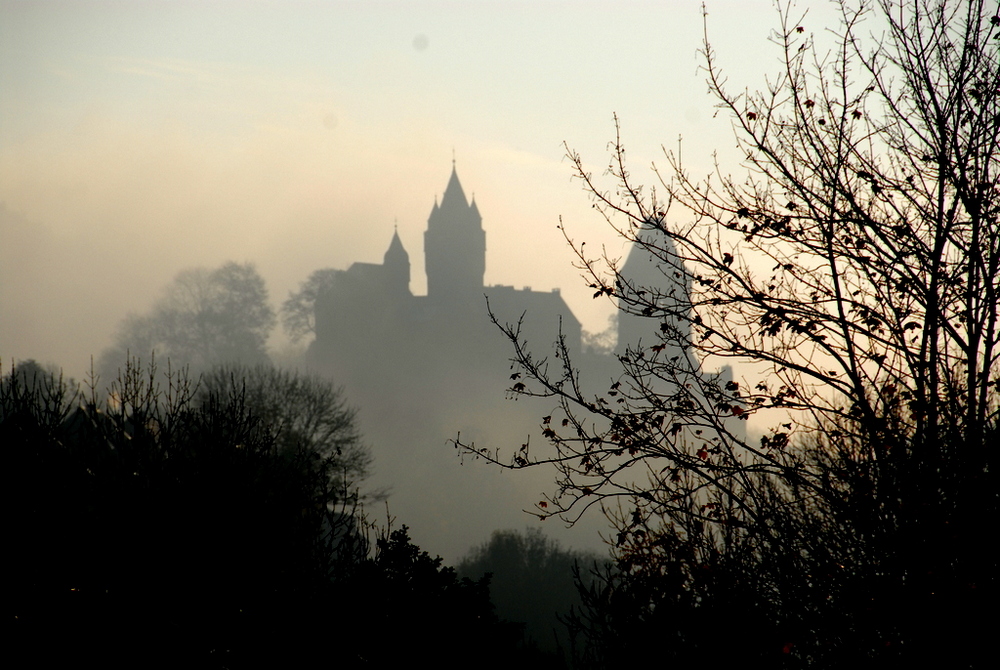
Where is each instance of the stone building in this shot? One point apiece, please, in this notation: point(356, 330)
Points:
point(369, 325)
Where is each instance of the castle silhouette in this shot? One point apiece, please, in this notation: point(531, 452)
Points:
point(423, 370)
point(369, 321)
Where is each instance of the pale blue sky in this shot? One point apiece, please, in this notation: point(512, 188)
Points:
point(141, 138)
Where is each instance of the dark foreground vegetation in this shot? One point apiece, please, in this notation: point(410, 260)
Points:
point(533, 580)
point(850, 272)
point(169, 526)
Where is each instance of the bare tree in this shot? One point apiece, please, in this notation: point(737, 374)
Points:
point(205, 317)
point(851, 275)
point(157, 484)
point(298, 312)
point(309, 418)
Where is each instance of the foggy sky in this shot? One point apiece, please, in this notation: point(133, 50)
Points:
point(141, 139)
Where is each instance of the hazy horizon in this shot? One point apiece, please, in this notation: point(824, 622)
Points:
point(138, 140)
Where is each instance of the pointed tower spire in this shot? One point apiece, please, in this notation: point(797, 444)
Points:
point(396, 250)
point(454, 196)
point(397, 265)
point(454, 245)
point(660, 275)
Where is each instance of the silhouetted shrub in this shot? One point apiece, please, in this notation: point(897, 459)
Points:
point(889, 565)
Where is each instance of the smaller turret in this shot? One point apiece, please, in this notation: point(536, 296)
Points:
point(397, 266)
point(655, 273)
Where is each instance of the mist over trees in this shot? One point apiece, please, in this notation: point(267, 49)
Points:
point(204, 317)
point(535, 581)
point(197, 460)
point(298, 312)
point(853, 270)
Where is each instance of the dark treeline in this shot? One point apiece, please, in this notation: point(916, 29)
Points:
point(173, 524)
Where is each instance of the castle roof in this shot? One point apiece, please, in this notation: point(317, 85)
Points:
point(510, 304)
point(454, 191)
point(647, 259)
point(396, 252)
point(454, 214)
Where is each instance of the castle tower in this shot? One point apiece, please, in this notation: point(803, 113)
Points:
point(455, 247)
point(661, 275)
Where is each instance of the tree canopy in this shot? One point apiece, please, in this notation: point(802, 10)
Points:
point(298, 312)
point(204, 317)
point(157, 524)
point(307, 415)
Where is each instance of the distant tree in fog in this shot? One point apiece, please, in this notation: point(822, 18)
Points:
point(30, 374)
point(298, 313)
point(204, 317)
point(604, 341)
point(532, 580)
point(43, 390)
